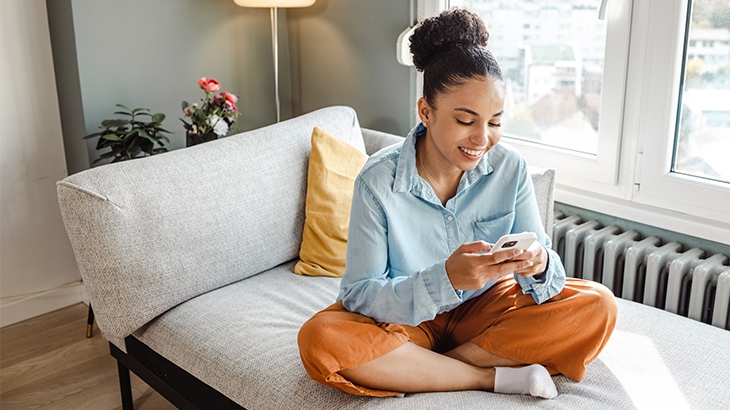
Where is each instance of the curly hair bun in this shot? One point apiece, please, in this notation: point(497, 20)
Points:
point(458, 28)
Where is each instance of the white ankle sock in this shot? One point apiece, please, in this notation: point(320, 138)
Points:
point(534, 380)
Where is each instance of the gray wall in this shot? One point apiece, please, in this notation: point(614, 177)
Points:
point(143, 53)
point(343, 52)
point(150, 54)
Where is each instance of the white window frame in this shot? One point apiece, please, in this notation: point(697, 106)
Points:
point(598, 171)
point(655, 183)
point(644, 48)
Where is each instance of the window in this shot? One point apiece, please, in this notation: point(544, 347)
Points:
point(556, 56)
point(681, 128)
point(633, 112)
point(553, 76)
point(702, 141)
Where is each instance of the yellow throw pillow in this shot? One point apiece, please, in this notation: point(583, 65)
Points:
point(333, 167)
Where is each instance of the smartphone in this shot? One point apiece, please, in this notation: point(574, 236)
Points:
point(514, 241)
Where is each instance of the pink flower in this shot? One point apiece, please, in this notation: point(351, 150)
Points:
point(209, 85)
point(229, 97)
point(217, 99)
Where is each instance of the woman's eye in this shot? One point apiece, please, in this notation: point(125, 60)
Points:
point(495, 125)
point(464, 122)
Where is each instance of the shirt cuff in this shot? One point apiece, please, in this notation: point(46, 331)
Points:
point(544, 286)
point(541, 277)
point(439, 286)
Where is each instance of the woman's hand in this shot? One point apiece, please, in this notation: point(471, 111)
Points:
point(469, 267)
point(537, 254)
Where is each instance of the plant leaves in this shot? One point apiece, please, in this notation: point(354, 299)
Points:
point(114, 123)
point(135, 151)
point(147, 136)
point(158, 118)
point(123, 106)
point(131, 134)
point(111, 137)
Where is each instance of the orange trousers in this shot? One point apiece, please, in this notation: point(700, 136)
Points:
point(563, 334)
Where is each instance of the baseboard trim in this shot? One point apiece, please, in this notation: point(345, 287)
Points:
point(35, 305)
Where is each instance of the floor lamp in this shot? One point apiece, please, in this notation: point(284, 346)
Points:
point(274, 5)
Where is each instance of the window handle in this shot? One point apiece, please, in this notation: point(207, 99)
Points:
point(602, 10)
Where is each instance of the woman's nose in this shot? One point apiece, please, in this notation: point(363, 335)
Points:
point(480, 136)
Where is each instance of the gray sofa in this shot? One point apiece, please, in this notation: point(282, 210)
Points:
point(188, 259)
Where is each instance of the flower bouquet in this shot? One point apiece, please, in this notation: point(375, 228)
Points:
point(215, 115)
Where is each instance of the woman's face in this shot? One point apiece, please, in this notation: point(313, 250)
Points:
point(463, 125)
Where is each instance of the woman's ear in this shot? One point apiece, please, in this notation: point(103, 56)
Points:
point(424, 111)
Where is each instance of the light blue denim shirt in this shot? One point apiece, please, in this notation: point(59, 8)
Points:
point(400, 235)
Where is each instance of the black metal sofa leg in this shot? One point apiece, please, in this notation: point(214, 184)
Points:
point(90, 322)
point(125, 386)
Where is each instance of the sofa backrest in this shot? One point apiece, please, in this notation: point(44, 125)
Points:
point(151, 233)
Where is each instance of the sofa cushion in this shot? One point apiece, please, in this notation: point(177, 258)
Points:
point(333, 167)
point(248, 351)
point(151, 233)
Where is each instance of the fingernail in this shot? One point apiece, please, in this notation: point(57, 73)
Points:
point(517, 252)
point(527, 264)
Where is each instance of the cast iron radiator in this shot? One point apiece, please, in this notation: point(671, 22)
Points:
point(649, 270)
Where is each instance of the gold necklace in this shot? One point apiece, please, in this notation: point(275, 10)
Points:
point(441, 196)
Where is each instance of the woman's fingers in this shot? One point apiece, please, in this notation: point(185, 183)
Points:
point(474, 247)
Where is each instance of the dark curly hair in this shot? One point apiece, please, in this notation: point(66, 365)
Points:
point(451, 48)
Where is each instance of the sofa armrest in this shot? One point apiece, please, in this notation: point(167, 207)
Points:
point(377, 140)
point(543, 180)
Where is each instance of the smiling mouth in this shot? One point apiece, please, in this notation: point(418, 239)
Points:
point(473, 152)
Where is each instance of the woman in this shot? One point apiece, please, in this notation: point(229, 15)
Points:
point(423, 305)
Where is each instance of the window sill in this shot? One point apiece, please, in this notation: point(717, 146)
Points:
point(649, 215)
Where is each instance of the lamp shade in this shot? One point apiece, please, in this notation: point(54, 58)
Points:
point(274, 3)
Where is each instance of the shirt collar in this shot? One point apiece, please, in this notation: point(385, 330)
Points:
point(406, 173)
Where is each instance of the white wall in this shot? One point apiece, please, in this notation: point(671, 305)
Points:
point(38, 272)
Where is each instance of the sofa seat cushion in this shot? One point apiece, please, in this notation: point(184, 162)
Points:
point(242, 340)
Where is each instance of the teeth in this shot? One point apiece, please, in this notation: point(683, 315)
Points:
point(471, 151)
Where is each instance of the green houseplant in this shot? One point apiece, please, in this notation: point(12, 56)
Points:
point(129, 137)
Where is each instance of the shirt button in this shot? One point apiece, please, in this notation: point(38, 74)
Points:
point(450, 218)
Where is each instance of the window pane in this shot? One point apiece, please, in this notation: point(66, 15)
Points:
point(702, 146)
point(551, 53)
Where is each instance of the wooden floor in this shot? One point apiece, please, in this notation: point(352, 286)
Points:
point(48, 363)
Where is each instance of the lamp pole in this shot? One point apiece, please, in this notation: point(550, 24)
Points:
point(275, 51)
point(274, 5)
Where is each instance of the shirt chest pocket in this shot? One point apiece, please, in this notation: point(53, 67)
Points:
point(491, 229)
